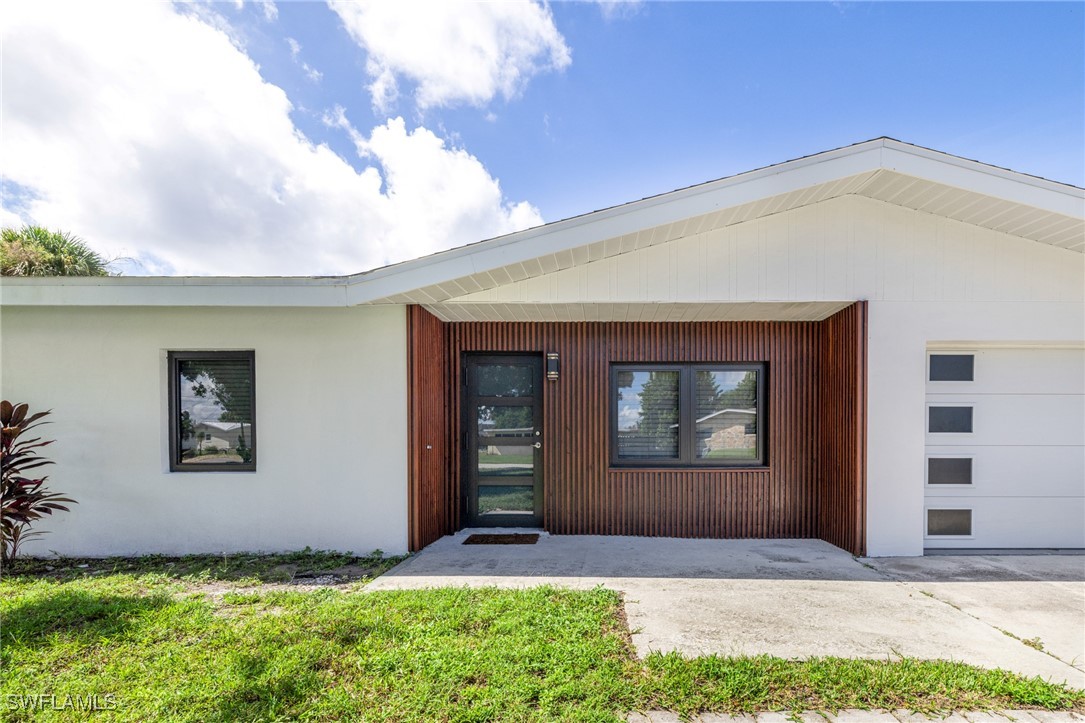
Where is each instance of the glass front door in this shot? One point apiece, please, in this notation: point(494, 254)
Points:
point(503, 441)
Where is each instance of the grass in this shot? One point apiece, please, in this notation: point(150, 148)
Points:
point(242, 567)
point(167, 651)
point(513, 499)
point(505, 458)
point(765, 683)
point(735, 453)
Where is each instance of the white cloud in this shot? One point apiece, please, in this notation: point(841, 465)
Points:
point(166, 145)
point(454, 52)
point(628, 417)
point(10, 219)
point(310, 72)
point(619, 9)
point(271, 11)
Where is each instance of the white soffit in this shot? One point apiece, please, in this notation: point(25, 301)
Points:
point(978, 209)
point(752, 311)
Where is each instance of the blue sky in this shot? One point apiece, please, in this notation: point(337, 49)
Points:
point(298, 138)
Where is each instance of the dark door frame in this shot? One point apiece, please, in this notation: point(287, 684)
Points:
point(471, 400)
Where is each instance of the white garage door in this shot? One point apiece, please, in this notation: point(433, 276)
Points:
point(1005, 463)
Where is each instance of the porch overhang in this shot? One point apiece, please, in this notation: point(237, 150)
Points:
point(618, 312)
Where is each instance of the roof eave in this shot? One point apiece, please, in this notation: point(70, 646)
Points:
point(611, 222)
point(389, 281)
point(876, 155)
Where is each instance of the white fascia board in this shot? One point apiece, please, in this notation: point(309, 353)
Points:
point(610, 223)
point(172, 291)
point(981, 178)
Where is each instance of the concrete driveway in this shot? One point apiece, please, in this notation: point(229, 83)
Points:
point(798, 598)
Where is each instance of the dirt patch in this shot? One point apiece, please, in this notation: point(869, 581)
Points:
point(306, 568)
point(621, 627)
point(299, 576)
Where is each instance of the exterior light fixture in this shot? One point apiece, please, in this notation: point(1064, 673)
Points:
point(552, 364)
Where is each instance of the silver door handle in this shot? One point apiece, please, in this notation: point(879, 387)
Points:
point(538, 445)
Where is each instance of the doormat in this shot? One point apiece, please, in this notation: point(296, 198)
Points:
point(511, 539)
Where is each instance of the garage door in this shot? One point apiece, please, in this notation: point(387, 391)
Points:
point(1005, 448)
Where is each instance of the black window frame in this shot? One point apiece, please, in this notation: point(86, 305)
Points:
point(174, 359)
point(687, 416)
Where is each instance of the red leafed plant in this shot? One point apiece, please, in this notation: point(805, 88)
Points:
point(23, 500)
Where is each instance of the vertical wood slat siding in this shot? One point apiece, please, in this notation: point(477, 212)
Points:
point(807, 490)
point(431, 501)
point(842, 428)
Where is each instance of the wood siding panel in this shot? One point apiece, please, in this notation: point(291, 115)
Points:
point(842, 429)
point(431, 500)
point(789, 498)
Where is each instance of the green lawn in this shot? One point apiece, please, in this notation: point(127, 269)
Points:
point(181, 648)
point(733, 453)
point(506, 499)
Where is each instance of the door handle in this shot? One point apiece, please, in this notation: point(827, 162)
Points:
point(538, 445)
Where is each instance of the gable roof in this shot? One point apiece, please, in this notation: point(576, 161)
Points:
point(883, 169)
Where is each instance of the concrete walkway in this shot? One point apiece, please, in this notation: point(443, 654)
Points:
point(797, 598)
point(868, 716)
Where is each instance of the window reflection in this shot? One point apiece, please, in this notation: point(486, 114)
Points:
point(505, 380)
point(505, 441)
point(647, 413)
point(726, 414)
point(502, 500)
point(215, 411)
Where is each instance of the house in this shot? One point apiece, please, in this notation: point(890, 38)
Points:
point(211, 439)
point(728, 432)
point(881, 346)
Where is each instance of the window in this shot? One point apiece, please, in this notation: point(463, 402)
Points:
point(949, 420)
point(945, 523)
point(949, 470)
point(952, 367)
point(691, 415)
point(212, 410)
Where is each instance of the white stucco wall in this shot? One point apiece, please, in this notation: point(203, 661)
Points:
point(900, 333)
point(935, 282)
point(331, 404)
